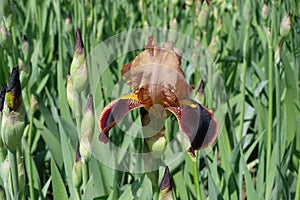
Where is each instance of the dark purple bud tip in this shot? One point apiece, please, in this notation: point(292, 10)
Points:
point(166, 181)
point(2, 98)
point(14, 84)
point(201, 88)
point(90, 103)
point(69, 16)
point(25, 38)
point(78, 156)
point(78, 41)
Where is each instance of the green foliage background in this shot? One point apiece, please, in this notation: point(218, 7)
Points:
point(257, 154)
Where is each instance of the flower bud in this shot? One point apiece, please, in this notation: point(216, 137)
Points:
point(78, 71)
point(22, 178)
point(88, 120)
point(68, 24)
point(4, 8)
point(25, 72)
point(89, 20)
point(33, 104)
point(219, 25)
point(188, 2)
point(213, 48)
point(5, 38)
point(157, 144)
point(247, 11)
point(73, 98)
point(277, 55)
point(174, 24)
point(265, 12)
point(202, 19)
point(77, 170)
point(5, 172)
point(2, 98)
point(12, 129)
point(165, 192)
point(285, 26)
point(175, 2)
point(85, 148)
point(2, 194)
point(13, 91)
point(26, 50)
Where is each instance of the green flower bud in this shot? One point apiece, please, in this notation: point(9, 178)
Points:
point(77, 170)
point(188, 2)
point(5, 172)
point(175, 2)
point(22, 178)
point(78, 69)
point(87, 3)
point(26, 50)
point(219, 25)
point(12, 129)
point(88, 120)
point(73, 98)
point(9, 21)
point(68, 24)
point(25, 72)
point(248, 11)
point(2, 194)
point(33, 105)
point(85, 148)
point(213, 47)
point(278, 51)
point(285, 26)
point(202, 19)
point(5, 38)
point(174, 24)
point(165, 192)
point(157, 144)
point(265, 12)
point(4, 8)
point(89, 20)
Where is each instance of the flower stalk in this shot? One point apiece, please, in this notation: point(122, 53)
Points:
point(13, 126)
point(2, 148)
point(85, 121)
point(77, 172)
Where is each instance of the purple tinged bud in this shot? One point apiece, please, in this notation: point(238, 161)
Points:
point(165, 192)
point(13, 91)
point(285, 26)
point(2, 98)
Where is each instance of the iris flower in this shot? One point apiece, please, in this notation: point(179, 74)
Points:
point(156, 78)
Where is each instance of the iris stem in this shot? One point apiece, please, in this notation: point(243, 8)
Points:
point(270, 113)
point(155, 190)
point(14, 173)
point(244, 68)
point(2, 148)
point(196, 177)
point(85, 172)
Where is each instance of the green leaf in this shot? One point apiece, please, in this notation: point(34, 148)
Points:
point(59, 190)
point(88, 190)
point(250, 191)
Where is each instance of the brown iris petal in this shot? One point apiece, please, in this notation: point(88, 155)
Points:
point(114, 112)
point(155, 75)
point(197, 122)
